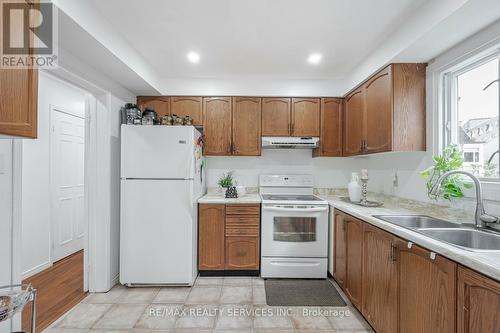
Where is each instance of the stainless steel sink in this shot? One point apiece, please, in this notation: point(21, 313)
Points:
point(469, 239)
point(417, 221)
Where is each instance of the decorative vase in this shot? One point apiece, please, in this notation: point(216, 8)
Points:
point(231, 192)
point(354, 188)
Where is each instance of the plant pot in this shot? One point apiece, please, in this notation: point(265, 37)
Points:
point(231, 192)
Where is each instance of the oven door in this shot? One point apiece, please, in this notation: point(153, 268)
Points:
point(295, 231)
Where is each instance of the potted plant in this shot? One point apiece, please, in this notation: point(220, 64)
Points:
point(453, 186)
point(227, 181)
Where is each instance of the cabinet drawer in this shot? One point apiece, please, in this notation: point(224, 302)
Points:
point(242, 253)
point(242, 210)
point(242, 231)
point(242, 220)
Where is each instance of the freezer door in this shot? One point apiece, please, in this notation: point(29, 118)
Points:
point(158, 232)
point(157, 152)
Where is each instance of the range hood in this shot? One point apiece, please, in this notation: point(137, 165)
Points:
point(289, 142)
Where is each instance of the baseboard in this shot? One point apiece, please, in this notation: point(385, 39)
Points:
point(35, 270)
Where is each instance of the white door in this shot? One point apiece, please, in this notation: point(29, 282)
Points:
point(67, 183)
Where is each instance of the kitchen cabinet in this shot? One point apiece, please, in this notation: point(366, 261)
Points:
point(217, 126)
point(427, 284)
point(187, 106)
point(387, 112)
point(353, 254)
point(305, 117)
point(330, 134)
point(211, 240)
point(478, 303)
point(246, 126)
point(161, 104)
point(339, 268)
point(276, 116)
point(19, 99)
point(236, 232)
point(380, 279)
point(353, 128)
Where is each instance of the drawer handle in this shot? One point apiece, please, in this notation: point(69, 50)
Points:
point(432, 256)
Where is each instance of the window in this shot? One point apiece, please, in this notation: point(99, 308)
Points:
point(472, 104)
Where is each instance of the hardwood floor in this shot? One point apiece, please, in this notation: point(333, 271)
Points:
point(59, 288)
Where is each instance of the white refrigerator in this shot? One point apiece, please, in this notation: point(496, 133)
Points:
point(162, 177)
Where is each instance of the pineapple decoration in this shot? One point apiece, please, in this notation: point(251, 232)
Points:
point(227, 181)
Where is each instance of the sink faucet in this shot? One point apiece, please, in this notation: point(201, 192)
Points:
point(482, 219)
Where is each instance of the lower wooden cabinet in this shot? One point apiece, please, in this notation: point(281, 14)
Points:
point(426, 290)
point(478, 303)
point(401, 287)
point(229, 237)
point(380, 279)
point(339, 262)
point(211, 240)
point(354, 249)
point(242, 253)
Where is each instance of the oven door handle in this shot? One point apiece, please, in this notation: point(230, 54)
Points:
point(299, 210)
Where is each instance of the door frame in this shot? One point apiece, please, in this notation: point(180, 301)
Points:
point(54, 108)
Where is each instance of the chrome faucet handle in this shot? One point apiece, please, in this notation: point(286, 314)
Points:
point(487, 218)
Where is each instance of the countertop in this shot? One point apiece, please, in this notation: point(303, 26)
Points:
point(216, 198)
point(487, 263)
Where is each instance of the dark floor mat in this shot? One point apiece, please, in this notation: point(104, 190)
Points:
point(302, 292)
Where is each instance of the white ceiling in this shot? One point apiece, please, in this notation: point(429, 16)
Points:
point(255, 39)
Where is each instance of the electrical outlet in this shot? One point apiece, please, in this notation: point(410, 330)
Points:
point(395, 180)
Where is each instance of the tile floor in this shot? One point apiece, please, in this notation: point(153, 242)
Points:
point(221, 305)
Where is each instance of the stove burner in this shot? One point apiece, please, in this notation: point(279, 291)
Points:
point(290, 197)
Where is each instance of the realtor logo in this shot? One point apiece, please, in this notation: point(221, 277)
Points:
point(29, 35)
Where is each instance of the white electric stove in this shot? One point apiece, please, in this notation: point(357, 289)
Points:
point(294, 228)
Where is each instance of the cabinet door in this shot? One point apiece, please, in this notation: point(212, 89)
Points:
point(378, 101)
point(276, 116)
point(305, 116)
point(380, 280)
point(242, 253)
point(354, 123)
point(246, 126)
point(19, 98)
point(330, 127)
point(217, 125)
point(339, 268)
point(211, 237)
point(187, 106)
point(478, 303)
point(161, 104)
point(426, 290)
point(354, 252)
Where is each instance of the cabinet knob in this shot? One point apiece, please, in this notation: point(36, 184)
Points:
point(432, 255)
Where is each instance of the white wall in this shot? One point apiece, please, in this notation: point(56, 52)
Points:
point(5, 218)
point(36, 214)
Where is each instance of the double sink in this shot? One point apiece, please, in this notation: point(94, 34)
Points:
point(460, 235)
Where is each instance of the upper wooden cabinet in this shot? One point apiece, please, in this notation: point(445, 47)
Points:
point(276, 116)
point(387, 112)
point(187, 106)
point(19, 96)
point(246, 126)
point(330, 135)
point(161, 104)
point(478, 305)
point(353, 127)
point(217, 126)
point(380, 279)
point(427, 284)
point(211, 241)
point(305, 116)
